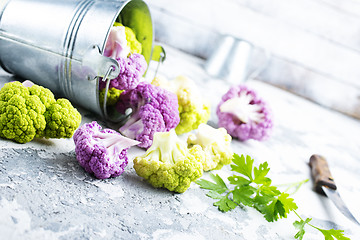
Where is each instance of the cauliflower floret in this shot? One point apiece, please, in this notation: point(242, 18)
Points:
point(153, 110)
point(216, 144)
point(169, 164)
point(193, 109)
point(62, 119)
point(26, 112)
point(101, 152)
point(116, 45)
point(244, 115)
point(134, 45)
point(131, 72)
point(113, 95)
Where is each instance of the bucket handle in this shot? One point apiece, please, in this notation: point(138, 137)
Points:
point(98, 65)
point(106, 78)
point(158, 55)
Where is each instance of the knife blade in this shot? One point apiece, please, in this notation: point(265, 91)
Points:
point(324, 183)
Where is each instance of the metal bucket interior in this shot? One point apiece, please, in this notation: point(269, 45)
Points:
point(59, 44)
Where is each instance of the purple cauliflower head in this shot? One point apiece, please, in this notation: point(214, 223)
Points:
point(244, 115)
point(154, 109)
point(131, 71)
point(101, 152)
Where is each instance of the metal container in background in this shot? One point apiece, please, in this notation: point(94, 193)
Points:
point(229, 60)
point(59, 44)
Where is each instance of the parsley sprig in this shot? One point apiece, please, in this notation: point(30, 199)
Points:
point(252, 188)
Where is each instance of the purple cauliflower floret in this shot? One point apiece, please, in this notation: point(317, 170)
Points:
point(154, 109)
point(101, 152)
point(131, 71)
point(244, 115)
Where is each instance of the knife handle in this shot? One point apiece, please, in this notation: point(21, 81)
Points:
point(320, 173)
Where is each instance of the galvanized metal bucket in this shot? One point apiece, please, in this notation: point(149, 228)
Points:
point(59, 44)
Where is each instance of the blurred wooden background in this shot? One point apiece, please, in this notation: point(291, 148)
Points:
point(314, 45)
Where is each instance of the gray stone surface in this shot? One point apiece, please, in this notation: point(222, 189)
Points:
point(45, 194)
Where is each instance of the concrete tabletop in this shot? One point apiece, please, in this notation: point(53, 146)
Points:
point(46, 194)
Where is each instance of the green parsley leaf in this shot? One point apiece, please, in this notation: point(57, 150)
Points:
point(239, 181)
point(331, 233)
point(243, 166)
point(243, 195)
point(225, 204)
point(289, 204)
point(260, 174)
point(301, 226)
point(219, 186)
point(272, 211)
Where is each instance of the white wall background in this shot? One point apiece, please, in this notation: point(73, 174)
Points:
point(314, 44)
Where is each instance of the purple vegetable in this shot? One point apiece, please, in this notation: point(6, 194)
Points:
point(101, 152)
point(131, 71)
point(244, 115)
point(154, 109)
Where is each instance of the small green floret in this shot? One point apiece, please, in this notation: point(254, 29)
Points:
point(112, 96)
point(62, 119)
point(216, 144)
point(168, 163)
point(134, 45)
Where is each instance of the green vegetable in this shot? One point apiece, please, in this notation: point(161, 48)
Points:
point(132, 42)
point(253, 188)
point(168, 163)
point(193, 109)
point(62, 119)
point(113, 95)
point(31, 111)
point(216, 145)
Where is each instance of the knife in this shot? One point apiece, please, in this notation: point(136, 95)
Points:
point(325, 184)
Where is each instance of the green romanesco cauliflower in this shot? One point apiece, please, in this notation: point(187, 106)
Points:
point(193, 109)
point(24, 111)
point(45, 95)
point(168, 163)
point(216, 143)
point(21, 114)
point(113, 95)
point(134, 45)
point(62, 119)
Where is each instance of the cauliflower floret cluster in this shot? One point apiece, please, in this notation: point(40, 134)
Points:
point(193, 109)
point(169, 164)
point(29, 110)
point(102, 152)
point(216, 143)
point(244, 115)
point(122, 46)
point(154, 109)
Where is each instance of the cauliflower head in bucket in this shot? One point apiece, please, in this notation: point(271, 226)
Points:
point(169, 164)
